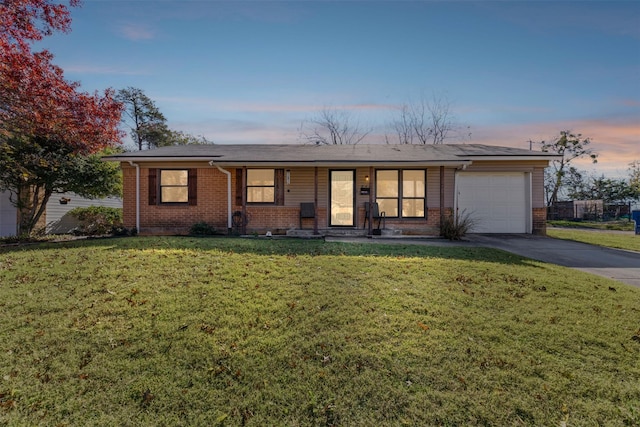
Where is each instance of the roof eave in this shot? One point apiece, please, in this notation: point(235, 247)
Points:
point(516, 158)
point(293, 163)
point(347, 163)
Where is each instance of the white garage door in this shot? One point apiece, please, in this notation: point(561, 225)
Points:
point(498, 202)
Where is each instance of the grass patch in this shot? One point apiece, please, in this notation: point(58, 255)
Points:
point(36, 238)
point(621, 225)
point(217, 331)
point(629, 241)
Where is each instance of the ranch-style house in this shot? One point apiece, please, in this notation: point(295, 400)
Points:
point(326, 189)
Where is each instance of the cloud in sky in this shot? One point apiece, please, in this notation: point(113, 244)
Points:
point(103, 69)
point(615, 138)
point(215, 105)
point(611, 17)
point(135, 31)
point(630, 103)
point(252, 72)
point(616, 141)
point(242, 131)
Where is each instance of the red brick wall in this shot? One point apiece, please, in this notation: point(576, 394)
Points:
point(279, 219)
point(539, 216)
point(212, 209)
point(429, 226)
point(176, 219)
point(129, 197)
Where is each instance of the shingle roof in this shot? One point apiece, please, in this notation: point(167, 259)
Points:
point(331, 154)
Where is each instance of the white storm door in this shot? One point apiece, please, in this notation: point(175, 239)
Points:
point(342, 194)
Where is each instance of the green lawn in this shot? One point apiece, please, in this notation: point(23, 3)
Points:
point(629, 241)
point(255, 332)
point(621, 225)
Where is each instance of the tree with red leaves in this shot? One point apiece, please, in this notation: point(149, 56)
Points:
point(47, 125)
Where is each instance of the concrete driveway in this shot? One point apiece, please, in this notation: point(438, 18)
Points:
point(620, 265)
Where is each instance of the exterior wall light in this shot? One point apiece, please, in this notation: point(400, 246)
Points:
point(364, 190)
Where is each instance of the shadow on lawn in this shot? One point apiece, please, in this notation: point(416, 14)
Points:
point(287, 247)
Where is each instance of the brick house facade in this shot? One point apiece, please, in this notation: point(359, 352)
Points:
point(167, 190)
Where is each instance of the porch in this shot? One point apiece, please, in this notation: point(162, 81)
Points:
point(341, 232)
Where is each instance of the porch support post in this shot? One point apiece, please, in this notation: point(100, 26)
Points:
point(244, 201)
point(442, 212)
point(315, 201)
point(137, 166)
point(372, 182)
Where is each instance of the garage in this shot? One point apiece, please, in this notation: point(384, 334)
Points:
point(498, 202)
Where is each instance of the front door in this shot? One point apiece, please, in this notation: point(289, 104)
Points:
point(342, 196)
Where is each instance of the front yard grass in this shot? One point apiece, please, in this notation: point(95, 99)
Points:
point(619, 225)
point(630, 241)
point(216, 331)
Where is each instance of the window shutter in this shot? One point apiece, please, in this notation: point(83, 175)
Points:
point(153, 186)
point(238, 187)
point(193, 187)
point(279, 187)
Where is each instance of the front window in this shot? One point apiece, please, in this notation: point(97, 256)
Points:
point(261, 186)
point(174, 186)
point(413, 191)
point(387, 192)
point(401, 193)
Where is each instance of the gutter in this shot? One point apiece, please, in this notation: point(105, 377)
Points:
point(548, 157)
point(229, 215)
point(296, 163)
point(137, 166)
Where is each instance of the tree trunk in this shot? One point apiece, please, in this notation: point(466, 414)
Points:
point(32, 203)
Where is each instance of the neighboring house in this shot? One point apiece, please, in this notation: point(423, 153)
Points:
point(58, 219)
point(56, 216)
point(260, 188)
point(8, 216)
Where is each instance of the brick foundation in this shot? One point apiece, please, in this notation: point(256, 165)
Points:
point(539, 216)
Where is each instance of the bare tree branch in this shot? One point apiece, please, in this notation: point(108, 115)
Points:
point(332, 127)
point(425, 121)
point(403, 126)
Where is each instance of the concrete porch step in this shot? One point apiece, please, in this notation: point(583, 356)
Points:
point(341, 232)
point(346, 232)
point(302, 233)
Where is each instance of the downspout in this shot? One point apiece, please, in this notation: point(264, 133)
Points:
point(229, 215)
point(442, 208)
point(372, 184)
point(315, 201)
point(137, 166)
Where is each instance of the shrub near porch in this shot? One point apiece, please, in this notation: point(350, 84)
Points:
point(193, 331)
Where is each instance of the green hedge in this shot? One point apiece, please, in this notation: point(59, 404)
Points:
point(96, 220)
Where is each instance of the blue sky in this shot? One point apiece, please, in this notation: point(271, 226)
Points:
point(252, 72)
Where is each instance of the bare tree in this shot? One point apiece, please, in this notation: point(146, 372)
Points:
point(403, 125)
point(426, 121)
point(332, 127)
